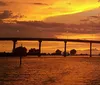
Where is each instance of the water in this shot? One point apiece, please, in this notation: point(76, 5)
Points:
point(50, 71)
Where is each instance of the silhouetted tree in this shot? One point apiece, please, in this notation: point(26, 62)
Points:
point(20, 51)
point(58, 52)
point(72, 52)
point(66, 53)
point(33, 51)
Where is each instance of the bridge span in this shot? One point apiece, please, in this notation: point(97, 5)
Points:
point(40, 40)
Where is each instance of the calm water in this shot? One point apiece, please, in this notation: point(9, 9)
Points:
point(50, 71)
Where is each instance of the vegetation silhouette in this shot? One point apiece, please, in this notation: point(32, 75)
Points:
point(20, 51)
point(66, 53)
point(57, 52)
point(73, 52)
point(33, 51)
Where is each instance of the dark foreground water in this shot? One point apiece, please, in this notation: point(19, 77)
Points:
point(50, 71)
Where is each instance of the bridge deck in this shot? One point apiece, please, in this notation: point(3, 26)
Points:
point(50, 39)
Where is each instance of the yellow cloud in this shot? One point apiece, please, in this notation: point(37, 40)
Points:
point(62, 8)
point(54, 8)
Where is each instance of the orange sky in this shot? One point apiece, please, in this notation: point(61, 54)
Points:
point(50, 47)
point(85, 13)
point(41, 9)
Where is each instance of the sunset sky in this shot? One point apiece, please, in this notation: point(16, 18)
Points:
point(42, 9)
point(77, 19)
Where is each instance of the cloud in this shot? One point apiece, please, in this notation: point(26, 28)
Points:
point(85, 28)
point(45, 30)
point(84, 20)
point(2, 3)
point(69, 3)
point(42, 24)
point(94, 16)
point(31, 29)
point(91, 19)
point(98, 0)
point(74, 18)
point(38, 3)
point(18, 16)
point(22, 30)
point(6, 14)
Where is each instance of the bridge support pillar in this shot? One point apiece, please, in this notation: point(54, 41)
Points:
point(65, 48)
point(40, 41)
point(14, 45)
point(90, 49)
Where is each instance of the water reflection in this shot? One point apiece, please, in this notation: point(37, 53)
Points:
point(50, 71)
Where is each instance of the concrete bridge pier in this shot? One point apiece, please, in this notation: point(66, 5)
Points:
point(90, 49)
point(40, 42)
point(65, 42)
point(14, 45)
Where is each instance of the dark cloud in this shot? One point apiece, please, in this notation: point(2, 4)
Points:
point(84, 20)
point(18, 16)
point(6, 14)
point(43, 24)
point(93, 19)
point(98, 0)
point(85, 28)
point(38, 3)
point(2, 3)
point(17, 2)
point(94, 16)
point(22, 30)
point(31, 29)
point(44, 29)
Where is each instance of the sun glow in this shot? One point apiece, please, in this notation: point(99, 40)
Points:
point(61, 9)
point(56, 8)
point(50, 8)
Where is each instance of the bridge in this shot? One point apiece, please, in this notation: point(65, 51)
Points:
point(40, 40)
